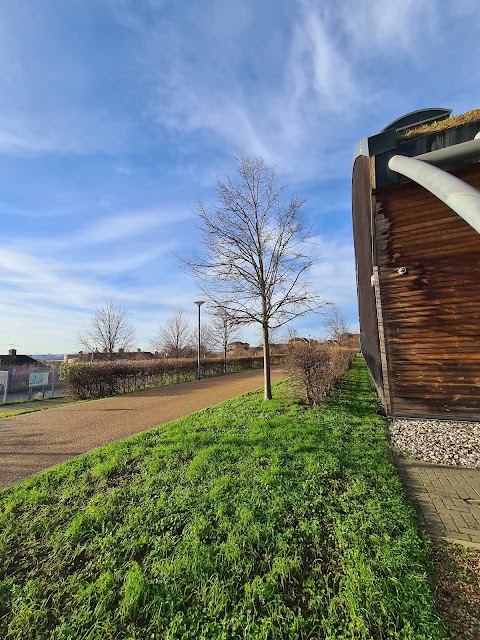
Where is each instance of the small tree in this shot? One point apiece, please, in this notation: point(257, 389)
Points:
point(224, 331)
point(174, 336)
point(254, 263)
point(291, 335)
point(335, 324)
point(207, 339)
point(109, 330)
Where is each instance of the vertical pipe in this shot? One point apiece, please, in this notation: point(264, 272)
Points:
point(199, 304)
point(198, 351)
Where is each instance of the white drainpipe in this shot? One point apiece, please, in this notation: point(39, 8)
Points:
point(456, 194)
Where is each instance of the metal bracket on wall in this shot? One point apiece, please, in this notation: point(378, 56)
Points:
point(381, 338)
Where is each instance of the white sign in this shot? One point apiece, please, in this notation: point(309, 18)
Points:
point(3, 384)
point(37, 379)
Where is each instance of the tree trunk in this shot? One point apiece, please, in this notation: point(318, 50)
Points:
point(225, 358)
point(266, 363)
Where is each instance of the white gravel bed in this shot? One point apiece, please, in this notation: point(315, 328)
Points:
point(439, 441)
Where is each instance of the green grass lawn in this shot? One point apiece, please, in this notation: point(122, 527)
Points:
point(246, 520)
point(17, 412)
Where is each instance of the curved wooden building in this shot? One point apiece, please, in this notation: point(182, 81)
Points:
point(417, 253)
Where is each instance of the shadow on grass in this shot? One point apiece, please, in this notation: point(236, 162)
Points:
point(355, 394)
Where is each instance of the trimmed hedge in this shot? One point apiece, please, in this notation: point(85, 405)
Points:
point(86, 381)
point(316, 369)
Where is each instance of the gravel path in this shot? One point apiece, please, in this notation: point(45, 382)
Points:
point(438, 441)
point(33, 442)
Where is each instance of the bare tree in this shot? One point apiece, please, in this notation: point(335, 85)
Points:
point(335, 324)
point(225, 330)
point(290, 335)
point(254, 263)
point(207, 339)
point(175, 336)
point(109, 330)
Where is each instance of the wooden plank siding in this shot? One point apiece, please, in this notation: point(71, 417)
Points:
point(431, 314)
point(362, 213)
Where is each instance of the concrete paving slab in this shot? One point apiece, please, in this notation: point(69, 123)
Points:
point(445, 498)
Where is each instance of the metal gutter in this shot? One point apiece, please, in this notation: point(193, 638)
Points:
point(464, 151)
point(456, 194)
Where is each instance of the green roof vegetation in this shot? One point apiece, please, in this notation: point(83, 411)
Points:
point(442, 125)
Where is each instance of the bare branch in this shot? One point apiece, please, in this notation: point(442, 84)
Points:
point(207, 338)
point(109, 330)
point(254, 262)
point(174, 338)
point(225, 329)
point(335, 324)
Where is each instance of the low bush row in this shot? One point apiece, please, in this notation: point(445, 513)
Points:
point(84, 381)
point(316, 369)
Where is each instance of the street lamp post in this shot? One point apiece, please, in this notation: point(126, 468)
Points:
point(199, 304)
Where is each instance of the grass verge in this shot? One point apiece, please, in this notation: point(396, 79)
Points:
point(31, 401)
point(11, 411)
point(18, 412)
point(245, 520)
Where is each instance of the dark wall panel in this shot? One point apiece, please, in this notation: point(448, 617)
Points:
point(431, 314)
point(362, 234)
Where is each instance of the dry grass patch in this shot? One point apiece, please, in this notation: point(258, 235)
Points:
point(442, 125)
point(456, 580)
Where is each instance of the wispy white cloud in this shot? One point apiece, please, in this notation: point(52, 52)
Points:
point(119, 257)
point(46, 304)
point(125, 263)
point(311, 88)
point(306, 79)
point(53, 100)
point(115, 231)
point(43, 279)
point(124, 170)
point(125, 226)
point(9, 210)
point(195, 72)
point(390, 27)
point(37, 326)
point(178, 90)
point(40, 130)
point(317, 62)
point(334, 271)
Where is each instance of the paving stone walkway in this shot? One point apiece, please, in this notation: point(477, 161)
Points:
point(447, 499)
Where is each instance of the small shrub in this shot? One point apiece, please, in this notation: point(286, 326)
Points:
point(315, 369)
point(89, 380)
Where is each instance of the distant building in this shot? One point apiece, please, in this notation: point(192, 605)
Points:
point(136, 355)
point(238, 346)
point(14, 360)
point(297, 339)
point(275, 349)
point(99, 356)
point(351, 340)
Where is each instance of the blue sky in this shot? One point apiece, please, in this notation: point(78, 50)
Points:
point(115, 115)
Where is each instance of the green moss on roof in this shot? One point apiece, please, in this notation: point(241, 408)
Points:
point(441, 125)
